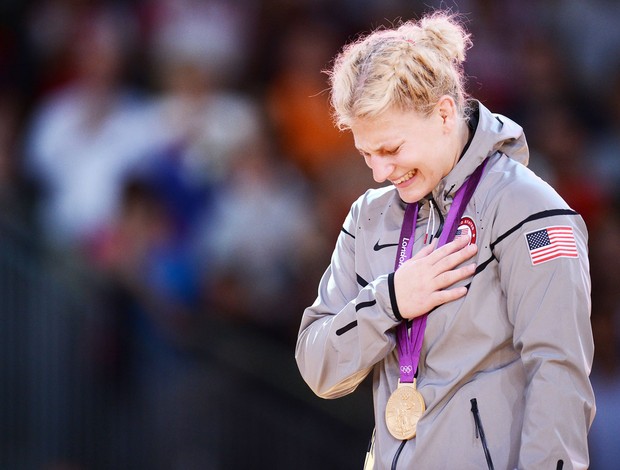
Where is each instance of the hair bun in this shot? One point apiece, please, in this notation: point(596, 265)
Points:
point(409, 67)
point(444, 33)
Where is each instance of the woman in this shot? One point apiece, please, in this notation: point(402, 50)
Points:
point(480, 348)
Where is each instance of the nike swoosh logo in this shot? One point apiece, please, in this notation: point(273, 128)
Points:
point(378, 247)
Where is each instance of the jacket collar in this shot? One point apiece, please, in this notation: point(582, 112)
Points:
point(492, 133)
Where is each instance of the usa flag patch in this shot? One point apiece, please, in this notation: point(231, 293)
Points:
point(551, 243)
point(466, 228)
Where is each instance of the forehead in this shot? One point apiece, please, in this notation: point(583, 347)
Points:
point(389, 128)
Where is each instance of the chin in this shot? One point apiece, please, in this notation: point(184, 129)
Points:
point(410, 196)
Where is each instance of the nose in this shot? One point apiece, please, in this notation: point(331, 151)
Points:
point(381, 169)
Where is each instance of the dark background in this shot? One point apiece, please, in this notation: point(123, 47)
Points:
point(171, 188)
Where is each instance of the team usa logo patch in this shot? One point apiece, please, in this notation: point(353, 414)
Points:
point(467, 228)
point(551, 243)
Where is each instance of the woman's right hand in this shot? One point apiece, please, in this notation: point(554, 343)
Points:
point(422, 282)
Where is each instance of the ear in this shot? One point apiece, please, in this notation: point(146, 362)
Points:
point(447, 112)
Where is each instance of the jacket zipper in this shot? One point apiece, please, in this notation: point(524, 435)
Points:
point(480, 432)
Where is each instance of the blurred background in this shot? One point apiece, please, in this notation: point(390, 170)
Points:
point(171, 188)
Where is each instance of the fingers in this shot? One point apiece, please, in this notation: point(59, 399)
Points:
point(449, 278)
point(427, 280)
point(426, 250)
point(444, 296)
point(453, 259)
point(452, 247)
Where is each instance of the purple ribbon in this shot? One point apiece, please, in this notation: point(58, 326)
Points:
point(410, 339)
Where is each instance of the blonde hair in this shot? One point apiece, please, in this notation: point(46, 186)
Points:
point(409, 67)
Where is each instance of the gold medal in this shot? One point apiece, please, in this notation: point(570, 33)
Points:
point(403, 411)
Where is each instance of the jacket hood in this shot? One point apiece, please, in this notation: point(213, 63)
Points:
point(493, 133)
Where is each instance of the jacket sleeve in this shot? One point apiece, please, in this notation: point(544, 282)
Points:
point(350, 326)
point(549, 306)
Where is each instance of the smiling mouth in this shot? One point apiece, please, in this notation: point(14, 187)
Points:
point(404, 178)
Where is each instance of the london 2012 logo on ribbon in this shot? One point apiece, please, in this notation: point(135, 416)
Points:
point(467, 228)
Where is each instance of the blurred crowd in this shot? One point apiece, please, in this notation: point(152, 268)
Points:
point(184, 153)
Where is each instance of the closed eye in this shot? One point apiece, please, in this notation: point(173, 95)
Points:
point(393, 151)
point(381, 152)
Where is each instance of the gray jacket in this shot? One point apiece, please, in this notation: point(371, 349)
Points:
point(512, 358)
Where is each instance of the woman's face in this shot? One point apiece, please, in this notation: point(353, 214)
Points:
point(409, 150)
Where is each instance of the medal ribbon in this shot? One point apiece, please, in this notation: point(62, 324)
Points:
point(410, 339)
